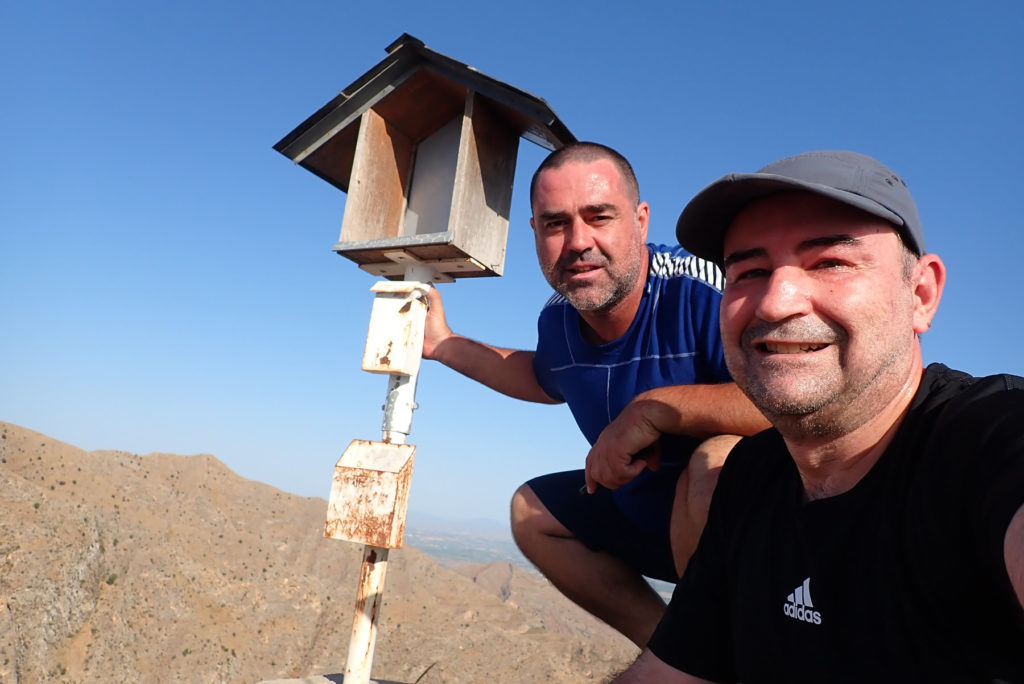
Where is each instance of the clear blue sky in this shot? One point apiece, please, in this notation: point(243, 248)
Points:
point(167, 281)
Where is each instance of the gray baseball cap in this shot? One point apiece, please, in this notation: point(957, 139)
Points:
point(849, 177)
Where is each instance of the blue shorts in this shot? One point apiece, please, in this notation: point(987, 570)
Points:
point(631, 523)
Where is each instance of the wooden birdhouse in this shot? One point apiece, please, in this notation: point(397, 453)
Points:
point(425, 148)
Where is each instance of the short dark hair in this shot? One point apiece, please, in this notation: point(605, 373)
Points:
point(908, 255)
point(587, 152)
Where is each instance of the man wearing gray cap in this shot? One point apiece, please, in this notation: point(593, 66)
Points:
point(876, 532)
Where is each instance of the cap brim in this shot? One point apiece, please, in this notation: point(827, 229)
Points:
point(704, 220)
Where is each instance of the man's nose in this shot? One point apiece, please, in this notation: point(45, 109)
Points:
point(786, 294)
point(580, 238)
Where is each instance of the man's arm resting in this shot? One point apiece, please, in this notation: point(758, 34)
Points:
point(699, 411)
point(1013, 553)
point(649, 668)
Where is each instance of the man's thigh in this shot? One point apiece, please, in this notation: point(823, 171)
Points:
point(599, 522)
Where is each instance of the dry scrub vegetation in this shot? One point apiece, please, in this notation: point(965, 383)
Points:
point(157, 568)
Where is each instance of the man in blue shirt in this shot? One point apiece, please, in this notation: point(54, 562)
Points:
point(632, 330)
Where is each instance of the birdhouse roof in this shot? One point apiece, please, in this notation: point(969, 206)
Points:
point(416, 90)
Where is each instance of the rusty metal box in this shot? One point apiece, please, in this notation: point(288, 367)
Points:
point(370, 494)
point(394, 341)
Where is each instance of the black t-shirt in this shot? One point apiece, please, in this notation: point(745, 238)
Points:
point(900, 579)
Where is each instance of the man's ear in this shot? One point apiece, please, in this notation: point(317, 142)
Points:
point(643, 217)
point(929, 279)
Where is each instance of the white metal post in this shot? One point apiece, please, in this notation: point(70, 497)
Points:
point(399, 404)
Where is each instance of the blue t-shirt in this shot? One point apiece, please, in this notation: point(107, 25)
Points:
point(674, 340)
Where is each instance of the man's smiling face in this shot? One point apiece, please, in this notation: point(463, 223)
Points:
point(817, 313)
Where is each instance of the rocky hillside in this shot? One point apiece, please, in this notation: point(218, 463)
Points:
point(154, 568)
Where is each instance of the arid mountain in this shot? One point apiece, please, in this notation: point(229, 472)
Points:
point(118, 567)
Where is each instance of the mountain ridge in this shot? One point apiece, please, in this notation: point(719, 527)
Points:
point(117, 566)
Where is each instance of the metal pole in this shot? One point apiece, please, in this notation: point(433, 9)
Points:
point(398, 410)
point(369, 597)
point(398, 407)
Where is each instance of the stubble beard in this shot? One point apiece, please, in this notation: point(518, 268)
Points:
point(820, 405)
point(800, 408)
point(598, 298)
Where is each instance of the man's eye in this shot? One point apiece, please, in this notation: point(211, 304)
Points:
point(746, 274)
point(825, 264)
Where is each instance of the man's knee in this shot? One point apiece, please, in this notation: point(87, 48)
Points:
point(708, 457)
point(693, 494)
point(524, 510)
point(530, 517)
point(698, 481)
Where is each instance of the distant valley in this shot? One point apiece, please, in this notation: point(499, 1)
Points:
point(451, 543)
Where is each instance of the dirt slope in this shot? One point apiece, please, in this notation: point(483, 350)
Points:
point(157, 568)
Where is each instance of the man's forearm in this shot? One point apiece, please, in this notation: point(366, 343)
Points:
point(509, 371)
point(1013, 551)
point(700, 411)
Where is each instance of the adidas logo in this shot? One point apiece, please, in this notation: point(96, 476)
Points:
point(799, 605)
